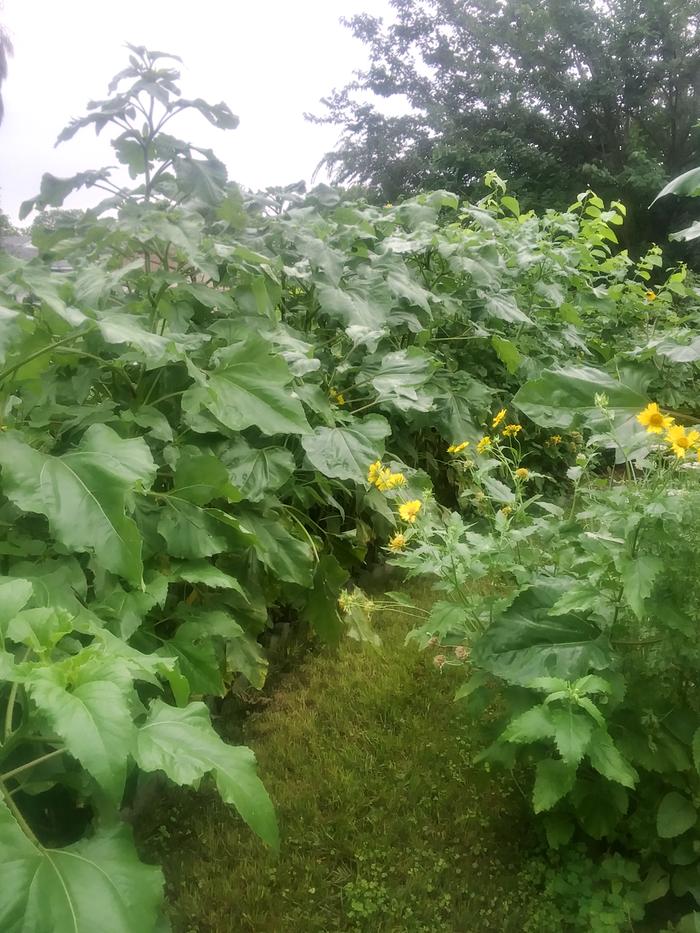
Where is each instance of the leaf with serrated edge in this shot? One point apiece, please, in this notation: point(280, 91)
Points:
point(94, 721)
point(183, 744)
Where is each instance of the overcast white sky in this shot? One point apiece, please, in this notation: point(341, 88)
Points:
point(270, 60)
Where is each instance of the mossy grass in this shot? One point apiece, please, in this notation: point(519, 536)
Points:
point(386, 824)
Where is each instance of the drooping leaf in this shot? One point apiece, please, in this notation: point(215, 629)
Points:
point(183, 744)
point(346, 452)
point(685, 185)
point(250, 386)
point(83, 493)
point(321, 608)
point(607, 760)
point(533, 725)
point(93, 719)
point(201, 477)
point(526, 642)
point(553, 780)
point(95, 884)
point(507, 352)
point(257, 471)
point(402, 378)
point(565, 398)
point(638, 575)
point(189, 531)
point(288, 557)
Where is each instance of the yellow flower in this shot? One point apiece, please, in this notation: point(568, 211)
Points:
point(374, 471)
point(340, 398)
point(522, 473)
point(499, 417)
point(554, 440)
point(382, 480)
point(511, 430)
point(397, 542)
point(483, 444)
point(681, 442)
point(409, 510)
point(457, 448)
point(654, 420)
point(650, 295)
point(506, 510)
point(396, 479)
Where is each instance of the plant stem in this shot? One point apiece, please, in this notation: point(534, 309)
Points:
point(17, 813)
point(37, 353)
point(10, 710)
point(31, 764)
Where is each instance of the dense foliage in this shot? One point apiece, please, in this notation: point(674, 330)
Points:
point(548, 94)
point(223, 405)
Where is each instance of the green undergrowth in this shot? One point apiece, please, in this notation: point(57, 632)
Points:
point(385, 823)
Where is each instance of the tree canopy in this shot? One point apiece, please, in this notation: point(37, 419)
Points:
point(5, 52)
point(553, 95)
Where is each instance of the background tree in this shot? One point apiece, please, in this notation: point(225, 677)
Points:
point(5, 52)
point(554, 95)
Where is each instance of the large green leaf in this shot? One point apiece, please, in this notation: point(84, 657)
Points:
point(565, 398)
point(346, 452)
point(14, 595)
point(250, 386)
point(288, 557)
point(685, 185)
point(96, 884)
point(83, 493)
point(676, 815)
point(93, 719)
point(201, 477)
point(188, 530)
point(607, 760)
point(257, 471)
point(401, 379)
point(183, 744)
point(553, 780)
point(526, 642)
point(321, 608)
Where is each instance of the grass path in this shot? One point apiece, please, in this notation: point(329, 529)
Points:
point(386, 825)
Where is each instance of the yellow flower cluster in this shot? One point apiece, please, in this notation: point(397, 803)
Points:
point(522, 473)
point(397, 542)
point(382, 477)
point(409, 510)
point(457, 448)
point(680, 441)
point(336, 396)
point(650, 295)
point(348, 601)
point(511, 430)
point(553, 440)
point(483, 444)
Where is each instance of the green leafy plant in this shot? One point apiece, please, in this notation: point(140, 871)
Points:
point(224, 405)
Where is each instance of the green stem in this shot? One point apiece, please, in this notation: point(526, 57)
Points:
point(16, 812)
point(9, 712)
point(37, 353)
point(364, 407)
point(31, 764)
